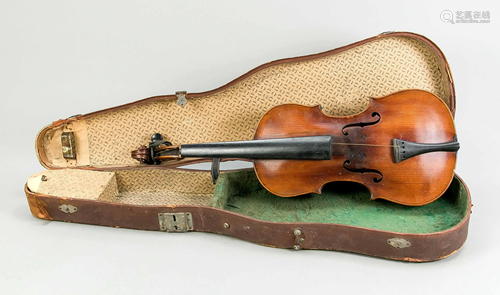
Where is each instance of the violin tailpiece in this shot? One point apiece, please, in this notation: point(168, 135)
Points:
point(404, 150)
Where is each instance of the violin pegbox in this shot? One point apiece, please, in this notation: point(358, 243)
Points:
point(147, 154)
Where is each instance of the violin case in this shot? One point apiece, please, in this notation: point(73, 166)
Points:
point(92, 179)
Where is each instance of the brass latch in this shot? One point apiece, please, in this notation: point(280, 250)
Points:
point(68, 145)
point(176, 222)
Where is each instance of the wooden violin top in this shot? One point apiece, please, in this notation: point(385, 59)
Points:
point(363, 150)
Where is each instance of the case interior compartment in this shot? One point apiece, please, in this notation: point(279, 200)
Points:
point(340, 203)
point(135, 187)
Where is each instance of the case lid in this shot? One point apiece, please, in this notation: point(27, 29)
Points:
point(340, 80)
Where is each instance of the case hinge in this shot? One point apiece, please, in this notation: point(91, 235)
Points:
point(299, 239)
point(176, 222)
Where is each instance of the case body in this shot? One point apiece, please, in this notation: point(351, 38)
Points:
point(105, 186)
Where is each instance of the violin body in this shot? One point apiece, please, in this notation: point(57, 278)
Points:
point(363, 149)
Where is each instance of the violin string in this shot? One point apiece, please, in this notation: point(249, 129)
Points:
point(364, 144)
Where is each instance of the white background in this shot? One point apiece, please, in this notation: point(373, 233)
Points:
point(60, 58)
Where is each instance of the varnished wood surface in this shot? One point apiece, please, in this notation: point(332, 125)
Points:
point(411, 115)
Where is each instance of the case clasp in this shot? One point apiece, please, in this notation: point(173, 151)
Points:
point(176, 222)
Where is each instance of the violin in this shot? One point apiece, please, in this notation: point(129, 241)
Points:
point(402, 147)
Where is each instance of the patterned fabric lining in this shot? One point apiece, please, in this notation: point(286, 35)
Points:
point(341, 83)
point(82, 184)
point(164, 187)
point(138, 187)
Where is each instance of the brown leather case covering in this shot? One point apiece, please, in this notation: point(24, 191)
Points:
point(101, 211)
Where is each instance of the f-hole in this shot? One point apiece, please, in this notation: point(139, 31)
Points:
point(362, 124)
point(363, 170)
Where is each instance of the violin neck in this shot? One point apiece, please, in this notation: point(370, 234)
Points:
point(300, 148)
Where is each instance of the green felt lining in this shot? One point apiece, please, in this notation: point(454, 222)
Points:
point(340, 203)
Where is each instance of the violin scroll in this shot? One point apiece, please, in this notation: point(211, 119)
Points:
point(142, 154)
